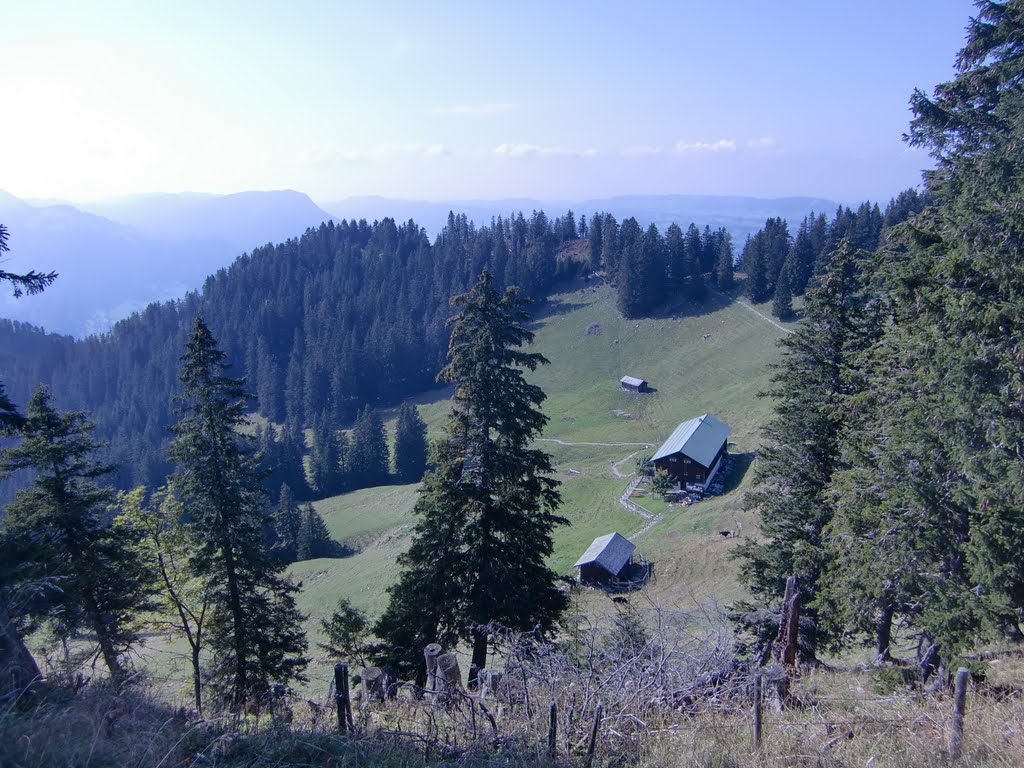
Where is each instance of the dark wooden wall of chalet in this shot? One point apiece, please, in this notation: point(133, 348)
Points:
point(687, 473)
point(592, 573)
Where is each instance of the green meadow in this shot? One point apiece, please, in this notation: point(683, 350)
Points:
point(715, 360)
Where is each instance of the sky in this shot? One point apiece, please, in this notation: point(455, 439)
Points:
point(556, 100)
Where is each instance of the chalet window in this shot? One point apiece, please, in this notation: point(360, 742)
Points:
point(673, 459)
point(686, 461)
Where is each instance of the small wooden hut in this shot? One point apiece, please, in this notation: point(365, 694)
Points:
point(605, 559)
point(633, 384)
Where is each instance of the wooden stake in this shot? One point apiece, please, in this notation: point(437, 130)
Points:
point(341, 698)
point(757, 710)
point(956, 734)
point(598, 714)
point(552, 730)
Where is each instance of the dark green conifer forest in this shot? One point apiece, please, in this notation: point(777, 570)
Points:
point(892, 480)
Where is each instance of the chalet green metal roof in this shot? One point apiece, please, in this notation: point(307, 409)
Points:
point(699, 439)
point(611, 552)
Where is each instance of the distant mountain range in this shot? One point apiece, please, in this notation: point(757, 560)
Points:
point(117, 256)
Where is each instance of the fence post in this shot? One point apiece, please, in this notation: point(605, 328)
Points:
point(598, 714)
point(956, 735)
point(552, 730)
point(757, 710)
point(341, 698)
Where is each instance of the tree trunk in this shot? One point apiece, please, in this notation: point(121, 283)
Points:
point(479, 660)
point(883, 634)
point(197, 680)
point(240, 684)
point(18, 669)
point(102, 630)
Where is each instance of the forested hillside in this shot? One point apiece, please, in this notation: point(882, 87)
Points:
point(352, 314)
point(346, 315)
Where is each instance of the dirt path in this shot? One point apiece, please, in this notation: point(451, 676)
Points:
point(616, 464)
point(604, 445)
point(743, 303)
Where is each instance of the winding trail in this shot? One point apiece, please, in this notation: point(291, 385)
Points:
point(743, 303)
point(606, 445)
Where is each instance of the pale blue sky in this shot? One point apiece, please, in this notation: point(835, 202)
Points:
point(456, 100)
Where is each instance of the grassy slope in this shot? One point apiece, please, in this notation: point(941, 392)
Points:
point(692, 374)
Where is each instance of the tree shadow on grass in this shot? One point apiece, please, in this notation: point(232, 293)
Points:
point(555, 307)
point(741, 463)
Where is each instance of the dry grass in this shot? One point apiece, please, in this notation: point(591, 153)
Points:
point(665, 682)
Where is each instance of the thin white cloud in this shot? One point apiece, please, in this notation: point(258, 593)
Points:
point(476, 109)
point(535, 150)
point(642, 150)
point(764, 142)
point(722, 145)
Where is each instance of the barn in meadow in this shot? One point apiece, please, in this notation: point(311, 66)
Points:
point(633, 384)
point(694, 452)
point(606, 559)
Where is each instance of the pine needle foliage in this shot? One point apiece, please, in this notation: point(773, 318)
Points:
point(255, 628)
point(487, 510)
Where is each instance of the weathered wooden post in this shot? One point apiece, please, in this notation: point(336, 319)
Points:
point(598, 714)
point(430, 654)
point(956, 734)
point(341, 699)
point(552, 730)
point(787, 643)
point(757, 710)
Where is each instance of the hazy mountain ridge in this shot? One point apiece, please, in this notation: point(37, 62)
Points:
point(116, 257)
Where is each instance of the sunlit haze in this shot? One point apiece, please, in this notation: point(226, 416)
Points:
point(460, 100)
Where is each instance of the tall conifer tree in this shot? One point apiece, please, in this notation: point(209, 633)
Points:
point(255, 631)
point(102, 582)
point(487, 512)
point(803, 439)
point(410, 444)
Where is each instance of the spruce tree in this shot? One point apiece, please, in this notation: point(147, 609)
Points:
point(782, 304)
point(255, 629)
point(368, 462)
point(287, 521)
point(487, 511)
point(756, 286)
point(803, 439)
point(947, 462)
point(325, 462)
point(726, 263)
point(313, 538)
point(63, 517)
point(410, 444)
point(677, 270)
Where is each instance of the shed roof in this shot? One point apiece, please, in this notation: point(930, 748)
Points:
point(611, 552)
point(632, 381)
point(699, 438)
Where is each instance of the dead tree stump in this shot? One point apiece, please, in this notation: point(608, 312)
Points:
point(430, 654)
point(788, 641)
point(373, 683)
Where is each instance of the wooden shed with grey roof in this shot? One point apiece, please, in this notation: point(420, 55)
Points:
point(693, 453)
point(605, 559)
point(633, 384)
